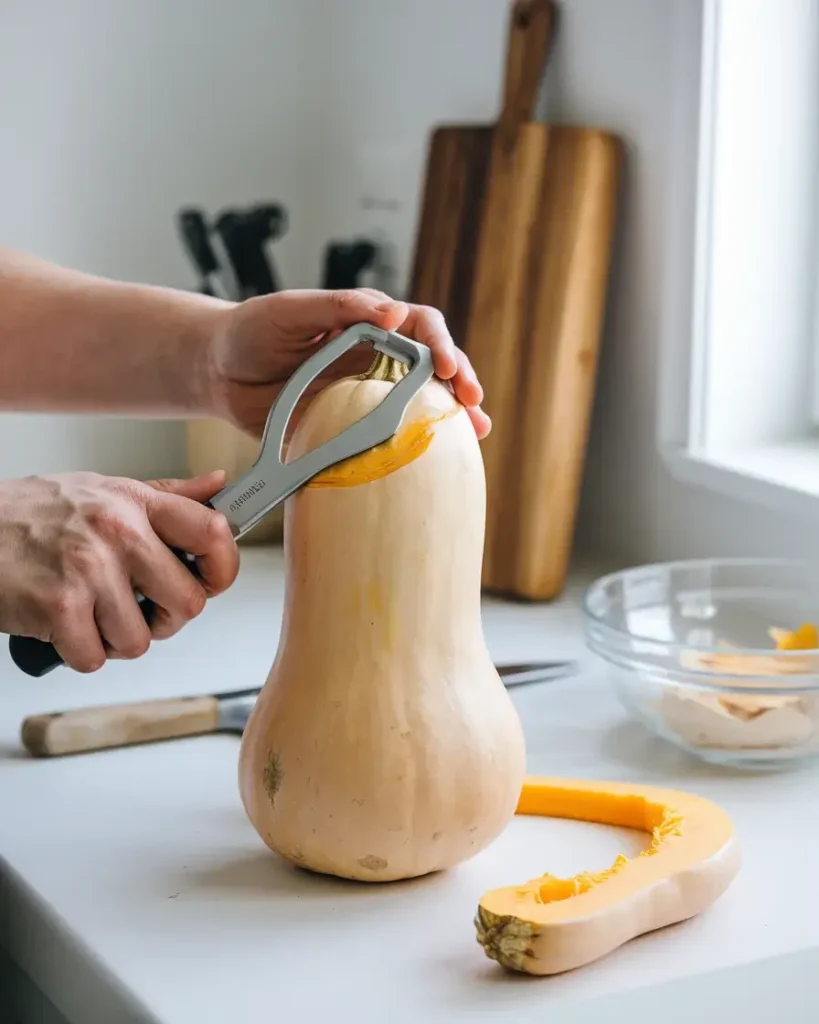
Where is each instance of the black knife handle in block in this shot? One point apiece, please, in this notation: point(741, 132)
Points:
point(271, 218)
point(39, 657)
point(194, 233)
point(344, 262)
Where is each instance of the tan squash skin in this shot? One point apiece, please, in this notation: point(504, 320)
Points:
point(384, 745)
point(550, 925)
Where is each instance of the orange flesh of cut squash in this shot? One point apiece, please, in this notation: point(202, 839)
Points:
point(549, 925)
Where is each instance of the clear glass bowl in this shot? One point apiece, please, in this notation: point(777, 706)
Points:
point(690, 653)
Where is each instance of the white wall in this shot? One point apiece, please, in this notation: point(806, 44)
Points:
point(393, 70)
point(122, 111)
point(117, 112)
point(630, 66)
point(114, 113)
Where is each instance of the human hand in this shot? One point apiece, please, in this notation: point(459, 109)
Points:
point(75, 547)
point(257, 345)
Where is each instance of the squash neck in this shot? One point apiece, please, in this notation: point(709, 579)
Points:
point(384, 367)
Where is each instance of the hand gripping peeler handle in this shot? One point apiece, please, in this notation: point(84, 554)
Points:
point(270, 480)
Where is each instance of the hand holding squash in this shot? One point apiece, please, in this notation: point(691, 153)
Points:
point(257, 345)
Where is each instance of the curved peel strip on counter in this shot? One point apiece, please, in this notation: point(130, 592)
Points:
point(550, 925)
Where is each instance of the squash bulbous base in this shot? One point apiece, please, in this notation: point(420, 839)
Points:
point(371, 871)
point(307, 812)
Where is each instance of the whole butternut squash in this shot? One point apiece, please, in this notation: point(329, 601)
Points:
point(383, 744)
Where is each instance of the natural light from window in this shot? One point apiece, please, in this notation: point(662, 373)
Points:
point(746, 420)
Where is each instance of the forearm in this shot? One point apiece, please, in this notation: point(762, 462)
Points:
point(71, 342)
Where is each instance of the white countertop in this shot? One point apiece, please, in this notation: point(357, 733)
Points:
point(133, 889)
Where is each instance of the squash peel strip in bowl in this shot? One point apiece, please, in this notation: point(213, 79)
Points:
point(752, 716)
point(550, 925)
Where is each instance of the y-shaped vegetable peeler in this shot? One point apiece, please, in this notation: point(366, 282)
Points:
point(269, 480)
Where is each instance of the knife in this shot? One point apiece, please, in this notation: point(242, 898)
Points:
point(121, 725)
point(345, 261)
point(193, 231)
point(244, 234)
point(229, 228)
point(263, 223)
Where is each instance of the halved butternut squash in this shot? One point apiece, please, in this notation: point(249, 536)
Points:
point(550, 925)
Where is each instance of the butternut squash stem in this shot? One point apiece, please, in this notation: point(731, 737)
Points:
point(385, 367)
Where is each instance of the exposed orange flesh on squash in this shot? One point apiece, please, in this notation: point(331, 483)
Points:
point(554, 924)
point(405, 446)
point(408, 443)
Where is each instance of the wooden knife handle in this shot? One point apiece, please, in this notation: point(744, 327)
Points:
point(531, 28)
point(121, 725)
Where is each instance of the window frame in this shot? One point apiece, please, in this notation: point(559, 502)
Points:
point(765, 448)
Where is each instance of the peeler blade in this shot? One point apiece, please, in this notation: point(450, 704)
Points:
point(269, 480)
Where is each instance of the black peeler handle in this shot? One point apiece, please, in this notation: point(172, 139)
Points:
point(38, 657)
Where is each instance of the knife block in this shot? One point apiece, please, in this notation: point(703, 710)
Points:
point(214, 444)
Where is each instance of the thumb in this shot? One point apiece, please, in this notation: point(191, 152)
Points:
point(308, 312)
point(197, 488)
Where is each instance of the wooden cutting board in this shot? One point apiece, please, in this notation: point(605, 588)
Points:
point(514, 246)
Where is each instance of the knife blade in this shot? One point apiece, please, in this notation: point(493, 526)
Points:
point(81, 730)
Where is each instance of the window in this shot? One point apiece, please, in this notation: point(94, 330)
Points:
point(741, 382)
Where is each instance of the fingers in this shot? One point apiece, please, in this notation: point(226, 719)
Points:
point(310, 316)
point(177, 594)
point(302, 320)
point(427, 325)
point(176, 518)
point(183, 522)
point(95, 606)
point(198, 530)
point(480, 421)
point(309, 312)
point(465, 381)
point(148, 565)
point(317, 314)
point(73, 629)
point(94, 541)
point(119, 619)
point(320, 314)
point(199, 488)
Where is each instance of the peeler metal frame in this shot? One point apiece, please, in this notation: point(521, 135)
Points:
point(269, 480)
